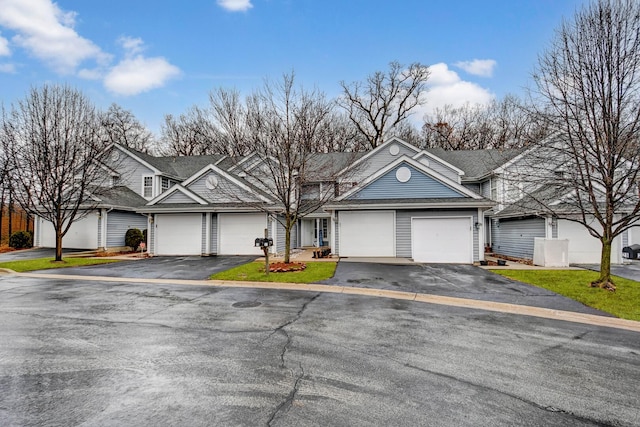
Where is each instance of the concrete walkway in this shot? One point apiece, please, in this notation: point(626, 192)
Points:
point(546, 313)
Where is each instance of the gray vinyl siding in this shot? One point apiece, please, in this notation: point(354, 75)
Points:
point(280, 237)
point(403, 227)
point(515, 237)
point(226, 191)
point(131, 173)
point(203, 237)
point(119, 222)
point(554, 230)
point(379, 160)
point(485, 189)
point(214, 233)
point(419, 186)
point(473, 187)
point(151, 235)
point(625, 239)
point(177, 197)
point(100, 242)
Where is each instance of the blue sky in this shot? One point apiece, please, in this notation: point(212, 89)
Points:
point(160, 57)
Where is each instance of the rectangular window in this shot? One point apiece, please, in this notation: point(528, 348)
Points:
point(494, 189)
point(166, 184)
point(147, 186)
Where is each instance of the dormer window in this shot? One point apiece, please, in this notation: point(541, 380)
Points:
point(147, 186)
point(166, 184)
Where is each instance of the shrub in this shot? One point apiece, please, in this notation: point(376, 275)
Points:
point(133, 237)
point(144, 237)
point(21, 239)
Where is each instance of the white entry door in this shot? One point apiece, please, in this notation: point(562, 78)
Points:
point(238, 231)
point(367, 233)
point(442, 240)
point(179, 234)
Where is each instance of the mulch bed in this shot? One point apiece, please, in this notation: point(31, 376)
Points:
point(4, 249)
point(282, 267)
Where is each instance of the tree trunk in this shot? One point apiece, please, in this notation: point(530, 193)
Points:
point(287, 239)
point(58, 245)
point(604, 281)
point(10, 219)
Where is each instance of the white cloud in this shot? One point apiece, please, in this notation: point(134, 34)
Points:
point(138, 74)
point(135, 73)
point(8, 68)
point(235, 5)
point(131, 45)
point(4, 47)
point(46, 31)
point(478, 67)
point(446, 87)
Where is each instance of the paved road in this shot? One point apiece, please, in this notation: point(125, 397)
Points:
point(456, 280)
point(123, 354)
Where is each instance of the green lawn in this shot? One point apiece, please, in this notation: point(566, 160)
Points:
point(46, 263)
point(623, 303)
point(254, 272)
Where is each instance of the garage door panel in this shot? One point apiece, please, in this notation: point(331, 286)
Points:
point(83, 234)
point(442, 240)
point(238, 233)
point(367, 233)
point(179, 234)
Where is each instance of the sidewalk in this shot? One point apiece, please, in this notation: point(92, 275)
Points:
point(588, 319)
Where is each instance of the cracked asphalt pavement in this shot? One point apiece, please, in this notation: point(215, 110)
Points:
point(101, 354)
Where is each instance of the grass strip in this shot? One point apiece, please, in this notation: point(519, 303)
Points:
point(254, 272)
point(623, 303)
point(47, 263)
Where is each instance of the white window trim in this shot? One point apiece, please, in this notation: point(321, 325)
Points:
point(143, 186)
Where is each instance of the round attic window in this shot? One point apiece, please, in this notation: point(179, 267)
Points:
point(211, 182)
point(394, 150)
point(403, 174)
point(115, 155)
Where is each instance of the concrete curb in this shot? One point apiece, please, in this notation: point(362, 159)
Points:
point(546, 313)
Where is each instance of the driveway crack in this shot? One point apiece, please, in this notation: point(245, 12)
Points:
point(288, 401)
point(281, 330)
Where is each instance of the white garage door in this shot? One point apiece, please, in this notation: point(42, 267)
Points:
point(238, 232)
point(178, 234)
point(583, 247)
point(447, 240)
point(83, 234)
point(367, 233)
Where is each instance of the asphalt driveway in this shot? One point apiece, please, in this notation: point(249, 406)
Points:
point(629, 271)
point(95, 354)
point(455, 280)
point(175, 267)
point(34, 253)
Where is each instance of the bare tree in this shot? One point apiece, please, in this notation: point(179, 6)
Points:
point(120, 126)
point(504, 123)
point(385, 99)
point(285, 126)
point(588, 82)
point(190, 134)
point(229, 117)
point(54, 140)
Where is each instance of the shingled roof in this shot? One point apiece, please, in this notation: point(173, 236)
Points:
point(476, 163)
